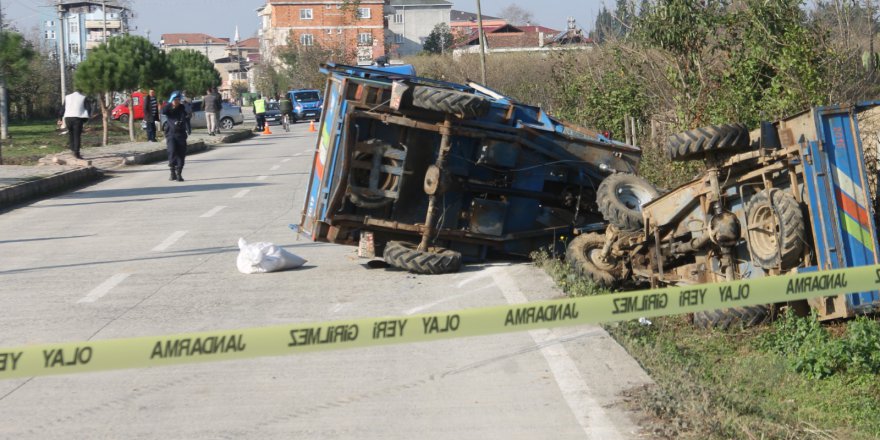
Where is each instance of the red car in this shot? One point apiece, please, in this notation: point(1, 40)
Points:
point(120, 112)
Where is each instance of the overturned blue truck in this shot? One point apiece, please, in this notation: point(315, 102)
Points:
point(433, 172)
point(427, 173)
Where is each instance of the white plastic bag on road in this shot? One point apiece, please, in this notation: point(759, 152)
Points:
point(264, 257)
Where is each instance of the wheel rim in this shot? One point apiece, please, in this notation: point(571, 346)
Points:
point(364, 178)
point(763, 231)
point(594, 255)
point(633, 197)
point(226, 124)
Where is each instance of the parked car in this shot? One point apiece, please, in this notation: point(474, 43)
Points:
point(120, 112)
point(230, 116)
point(273, 114)
point(307, 104)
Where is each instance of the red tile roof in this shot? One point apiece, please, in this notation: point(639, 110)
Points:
point(509, 36)
point(250, 43)
point(190, 39)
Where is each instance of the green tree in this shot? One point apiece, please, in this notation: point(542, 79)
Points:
point(439, 40)
point(684, 31)
point(193, 70)
point(300, 65)
point(122, 64)
point(148, 68)
point(15, 56)
point(776, 64)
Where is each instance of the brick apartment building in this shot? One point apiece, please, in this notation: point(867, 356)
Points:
point(358, 27)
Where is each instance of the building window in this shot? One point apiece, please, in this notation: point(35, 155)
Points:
point(365, 38)
point(398, 38)
point(307, 40)
point(305, 14)
point(398, 17)
point(50, 35)
point(339, 31)
point(329, 31)
point(74, 27)
point(363, 13)
point(74, 48)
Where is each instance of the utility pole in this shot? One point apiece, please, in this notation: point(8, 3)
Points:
point(104, 11)
point(482, 43)
point(61, 50)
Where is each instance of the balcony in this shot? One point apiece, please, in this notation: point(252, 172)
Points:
point(99, 24)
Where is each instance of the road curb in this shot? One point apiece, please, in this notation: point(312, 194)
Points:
point(41, 187)
point(55, 183)
point(160, 155)
point(237, 137)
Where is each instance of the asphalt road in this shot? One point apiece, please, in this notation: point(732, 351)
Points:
point(137, 255)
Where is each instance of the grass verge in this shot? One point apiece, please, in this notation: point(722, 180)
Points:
point(32, 140)
point(794, 379)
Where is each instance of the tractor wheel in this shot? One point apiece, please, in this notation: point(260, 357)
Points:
point(435, 260)
point(775, 229)
point(123, 119)
point(743, 317)
point(464, 105)
point(684, 146)
point(583, 254)
point(363, 185)
point(620, 198)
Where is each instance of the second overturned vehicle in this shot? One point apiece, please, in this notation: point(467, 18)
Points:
point(793, 196)
point(427, 173)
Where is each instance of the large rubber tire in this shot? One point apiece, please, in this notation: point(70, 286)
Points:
point(775, 229)
point(743, 317)
point(464, 105)
point(436, 260)
point(583, 256)
point(227, 123)
point(685, 146)
point(359, 177)
point(620, 198)
point(123, 119)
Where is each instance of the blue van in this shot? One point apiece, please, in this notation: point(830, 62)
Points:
point(307, 104)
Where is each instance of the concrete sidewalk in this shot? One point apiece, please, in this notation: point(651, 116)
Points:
point(61, 172)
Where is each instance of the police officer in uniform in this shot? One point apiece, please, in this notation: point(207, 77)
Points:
point(175, 135)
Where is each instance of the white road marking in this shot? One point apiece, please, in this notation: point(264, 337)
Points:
point(169, 241)
point(275, 168)
point(241, 194)
point(422, 308)
point(213, 211)
point(285, 160)
point(589, 414)
point(104, 288)
point(262, 177)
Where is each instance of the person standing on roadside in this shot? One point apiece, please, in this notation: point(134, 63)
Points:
point(219, 100)
point(187, 105)
point(285, 106)
point(260, 112)
point(212, 109)
point(75, 114)
point(151, 115)
point(175, 135)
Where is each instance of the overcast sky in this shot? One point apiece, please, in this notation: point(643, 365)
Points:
point(219, 17)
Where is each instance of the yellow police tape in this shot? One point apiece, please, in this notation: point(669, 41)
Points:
point(111, 354)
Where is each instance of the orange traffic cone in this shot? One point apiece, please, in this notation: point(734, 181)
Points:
point(266, 128)
point(312, 126)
